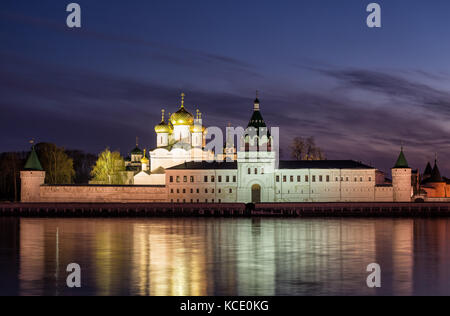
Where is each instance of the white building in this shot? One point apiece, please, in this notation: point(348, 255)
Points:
point(255, 176)
point(178, 171)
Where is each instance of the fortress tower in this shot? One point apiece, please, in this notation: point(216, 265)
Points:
point(32, 177)
point(401, 179)
point(256, 161)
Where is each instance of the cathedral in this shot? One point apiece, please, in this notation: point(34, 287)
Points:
point(180, 169)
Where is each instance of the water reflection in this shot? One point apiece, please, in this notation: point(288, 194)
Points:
point(225, 256)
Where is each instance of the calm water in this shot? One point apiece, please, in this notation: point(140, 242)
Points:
point(224, 256)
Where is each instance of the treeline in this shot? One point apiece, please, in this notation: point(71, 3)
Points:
point(61, 166)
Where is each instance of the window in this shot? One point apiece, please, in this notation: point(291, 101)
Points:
point(171, 190)
point(192, 201)
point(184, 190)
point(192, 191)
point(220, 201)
point(205, 179)
point(178, 190)
point(212, 200)
point(292, 178)
point(184, 179)
point(178, 178)
point(206, 200)
point(328, 178)
point(320, 178)
point(220, 190)
point(212, 191)
point(256, 170)
point(206, 190)
point(337, 179)
point(213, 179)
point(313, 178)
point(306, 178)
point(370, 179)
point(234, 178)
point(262, 170)
point(284, 178)
point(220, 179)
point(198, 191)
point(356, 179)
point(361, 179)
point(299, 179)
point(249, 171)
point(198, 200)
point(171, 178)
point(346, 179)
point(192, 179)
point(228, 178)
point(278, 178)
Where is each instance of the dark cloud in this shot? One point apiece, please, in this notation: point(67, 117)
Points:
point(91, 110)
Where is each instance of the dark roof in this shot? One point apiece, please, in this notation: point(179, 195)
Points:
point(323, 164)
point(256, 120)
point(33, 162)
point(428, 170)
point(136, 151)
point(401, 161)
point(435, 174)
point(205, 165)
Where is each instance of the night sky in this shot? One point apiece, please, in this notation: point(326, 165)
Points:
point(320, 71)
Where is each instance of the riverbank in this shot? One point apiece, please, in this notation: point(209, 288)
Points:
point(225, 210)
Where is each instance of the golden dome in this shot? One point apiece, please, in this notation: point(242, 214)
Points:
point(163, 127)
point(182, 117)
point(197, 128)
point(145, 159)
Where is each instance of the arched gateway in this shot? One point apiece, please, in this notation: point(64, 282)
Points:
point(256, 193)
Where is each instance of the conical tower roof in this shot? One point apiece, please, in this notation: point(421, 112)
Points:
point(256, 120)
point(401, 161)
point(435, 174)
point(33, 163)
point(428, 170)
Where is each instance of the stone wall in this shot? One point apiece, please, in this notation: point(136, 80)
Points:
point(103, 193)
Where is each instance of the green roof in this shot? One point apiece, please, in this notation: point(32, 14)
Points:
point(401, 161)
point(33, 162)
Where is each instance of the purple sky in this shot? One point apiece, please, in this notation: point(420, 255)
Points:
point(319, 69)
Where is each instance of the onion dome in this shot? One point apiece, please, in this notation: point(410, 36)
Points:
point(198, 126)
point(136, 150)
point(162, 127)
point(144, 159)
point(182, 116)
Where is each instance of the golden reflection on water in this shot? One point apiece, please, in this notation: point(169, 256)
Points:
point(226, 256)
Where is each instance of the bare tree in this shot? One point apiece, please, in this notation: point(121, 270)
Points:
point(306, 149)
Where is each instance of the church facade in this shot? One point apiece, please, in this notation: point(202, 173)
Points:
point(181, 170)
